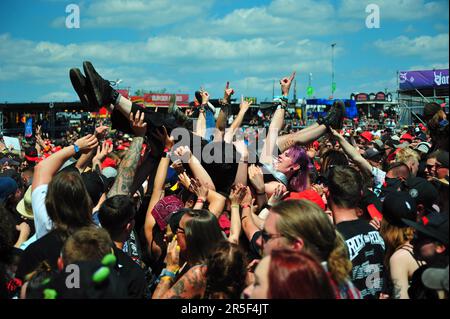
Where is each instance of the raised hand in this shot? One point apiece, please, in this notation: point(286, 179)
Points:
point(244, 106)
point(185, 180)
point(199, 189)
point(137, 123)
point(205, 96)
point(167, 140)
point(101, 131)
point(228, 92)
point(173, 255)
point(256, 178)
point(278, 194)
point(237, 194)
point(103, 151)
point(247, 199)
point(184, 153)
point(286, 83)
point(178, 166)
point(87, 143)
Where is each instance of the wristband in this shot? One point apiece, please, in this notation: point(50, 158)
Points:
point(235, 206)
point(77, 149)
point(245, 206)
point(261, 194)
point(166, 273)
point(200, 200)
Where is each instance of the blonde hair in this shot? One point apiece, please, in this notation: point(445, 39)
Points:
point(306, 220)
point(394, 237)
point(406, 155)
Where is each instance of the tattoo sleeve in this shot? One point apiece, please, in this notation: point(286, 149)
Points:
point(127, 169)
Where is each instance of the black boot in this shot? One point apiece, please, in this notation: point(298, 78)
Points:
point(79, 84)
point(335, 116)
point(99, 90)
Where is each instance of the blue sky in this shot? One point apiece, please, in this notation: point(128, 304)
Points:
point(182, 45)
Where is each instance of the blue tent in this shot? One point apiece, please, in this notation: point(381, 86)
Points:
point(325, 104)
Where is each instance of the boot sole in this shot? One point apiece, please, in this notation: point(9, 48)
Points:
point(79, 85)
point(92, 91)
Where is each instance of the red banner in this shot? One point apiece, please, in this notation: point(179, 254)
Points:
point(162, 99)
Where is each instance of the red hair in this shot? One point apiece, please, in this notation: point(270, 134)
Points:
point(297, 275)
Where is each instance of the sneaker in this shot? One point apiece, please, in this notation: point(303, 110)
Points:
point(99, 90)
point(79, 84)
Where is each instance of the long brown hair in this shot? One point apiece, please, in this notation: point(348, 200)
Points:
point(394, 237)
point(68, 203)
point(202, 233)
point(306, 220)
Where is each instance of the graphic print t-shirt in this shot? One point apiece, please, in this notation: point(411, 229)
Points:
point(366, 252)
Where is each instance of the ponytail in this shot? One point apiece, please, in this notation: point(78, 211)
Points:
point(339, 264)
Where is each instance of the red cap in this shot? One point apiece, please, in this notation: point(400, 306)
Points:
point(308, 194)
point(109, 162)
point(367, 136)
point(406, 136)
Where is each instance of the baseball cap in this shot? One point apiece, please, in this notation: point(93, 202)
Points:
point(395, 138)
point(8, 186)
point(95, 185)
point(423, 147)
point(371, 204)
point(109, 162)
point(308, 194)
point(24, 206)
point(398, 206)
point(406, 137)
point(434, 225)
point(378, 144)
point(442, 158)
point(164, 208)
point(367, 136)
point(436, 278)
point(422, 191)
point(372, 154)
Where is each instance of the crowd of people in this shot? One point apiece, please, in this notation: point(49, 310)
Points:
point(195, 206)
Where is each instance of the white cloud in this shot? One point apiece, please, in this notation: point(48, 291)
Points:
point(427, 47)
point(137, 14)
point(401, 10)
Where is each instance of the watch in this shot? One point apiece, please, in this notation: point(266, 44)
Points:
point(77, 149)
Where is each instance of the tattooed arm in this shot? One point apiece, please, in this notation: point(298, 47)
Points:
point(398, 265)
point(190, 286)
point(127, 168)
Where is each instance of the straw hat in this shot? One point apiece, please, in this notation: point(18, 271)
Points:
point(24, 206)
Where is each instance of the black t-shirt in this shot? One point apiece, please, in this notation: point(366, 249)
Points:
point(131, 273)
point(46, 248)
point(366, 251)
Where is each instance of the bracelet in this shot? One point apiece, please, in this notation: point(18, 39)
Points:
point(245, 206)
point(167, 273)
point(168, 278)
point(235, 206)
point(199, 200)
point(260, 194)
